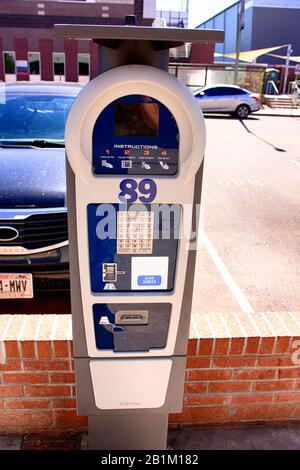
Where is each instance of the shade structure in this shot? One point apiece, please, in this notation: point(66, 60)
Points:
point(250, 56)
point(295, 58)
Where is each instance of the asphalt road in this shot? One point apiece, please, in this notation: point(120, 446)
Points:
point(250, 216)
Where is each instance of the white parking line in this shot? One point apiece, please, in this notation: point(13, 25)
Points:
point(295, 161)
point(232, 285)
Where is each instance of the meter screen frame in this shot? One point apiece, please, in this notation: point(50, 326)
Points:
point(136, 119)
point(135, 135)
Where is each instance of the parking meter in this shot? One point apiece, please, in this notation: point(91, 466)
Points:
point(135, 140)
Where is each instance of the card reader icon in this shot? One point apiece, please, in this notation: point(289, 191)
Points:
point(106, 164)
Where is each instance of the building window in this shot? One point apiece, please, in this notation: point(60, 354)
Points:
point(34, 63)
point(83, 64)
point(9, 62)
point(59, 64)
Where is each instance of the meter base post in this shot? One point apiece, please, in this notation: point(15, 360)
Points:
point(128, 432)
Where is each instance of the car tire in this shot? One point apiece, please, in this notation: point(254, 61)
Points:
point(242, 111)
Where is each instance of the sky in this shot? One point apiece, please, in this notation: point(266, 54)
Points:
point(200, 10)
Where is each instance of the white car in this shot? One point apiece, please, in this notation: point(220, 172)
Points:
point(227, 99)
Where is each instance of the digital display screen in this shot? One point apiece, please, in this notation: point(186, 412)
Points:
point(136, 119)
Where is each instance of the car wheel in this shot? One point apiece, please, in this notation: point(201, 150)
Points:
point(242, 111)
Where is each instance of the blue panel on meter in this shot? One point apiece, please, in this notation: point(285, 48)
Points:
point(135, 135)
point(133, 248)
point(131, 327)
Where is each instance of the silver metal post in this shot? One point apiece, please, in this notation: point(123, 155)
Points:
point(240, 26)
point(286, 68)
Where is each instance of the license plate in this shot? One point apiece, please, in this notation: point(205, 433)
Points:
point(16, 286)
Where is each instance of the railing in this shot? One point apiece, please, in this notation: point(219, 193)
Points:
point(293, 89)
point(271, 88)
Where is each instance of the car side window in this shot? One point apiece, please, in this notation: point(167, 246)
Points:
point(231, 91)
point(211, 92)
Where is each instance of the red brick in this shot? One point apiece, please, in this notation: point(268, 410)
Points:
point(11, 365)
point(8, 391)
point(47, 365)
point(210, 414)
point(28, 350)
point(273, 385)
point(195, 387)
point(27, 404)
point(61, 349)
point(24, 378)
point(292, 373)
point(252, 345)
point(1, 404)
point(50, 445)
point(44, 349)
point(252, 398)
point(23, 418)
point(63, 377)
point(198, 362)
point(282, 345)
point(297, 385)
point(69, 417)
point(209, 374)
point(235, 361)
point(71, 50)
point(255, 374)
point(287, 397)
point(274, 361)
point(73, 388)
point(296, 413)
point(46, 51)
point(261, 412)
point(21, 51)
point(236, 346)
point(221, 346)
point(208, 400)
point(206, 347)
point(50, 391)
point(71, 345)
point(64, 403)
point(192, 347)
point(12, 349)
point(267, 345)
point(226, 387)
point(2, 75)
point(295, 343)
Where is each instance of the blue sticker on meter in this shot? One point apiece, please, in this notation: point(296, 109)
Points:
point(149, 280)
point(130, 191)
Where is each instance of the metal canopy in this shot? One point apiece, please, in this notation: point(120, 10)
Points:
point(160, 38)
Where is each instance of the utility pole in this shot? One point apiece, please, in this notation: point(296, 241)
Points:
point(240, 27)
point(286, 68)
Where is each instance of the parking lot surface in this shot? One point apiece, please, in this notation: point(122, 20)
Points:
point(249, 253)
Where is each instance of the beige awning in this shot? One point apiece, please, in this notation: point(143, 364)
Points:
point(295, 58)
point(250, 56)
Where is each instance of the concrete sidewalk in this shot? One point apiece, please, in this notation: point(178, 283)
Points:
point(266, 111)
point(256, 438)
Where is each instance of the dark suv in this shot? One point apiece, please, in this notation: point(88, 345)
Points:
point(33, 213)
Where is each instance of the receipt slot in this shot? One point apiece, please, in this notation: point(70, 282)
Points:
point(135, 140)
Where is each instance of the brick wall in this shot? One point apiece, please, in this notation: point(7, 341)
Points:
point(229, 382)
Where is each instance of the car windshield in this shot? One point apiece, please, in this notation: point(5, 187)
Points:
point(30, 117)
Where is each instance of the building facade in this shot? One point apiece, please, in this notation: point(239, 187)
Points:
point(267, 23)
point(175, 12)
point(30, 50)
